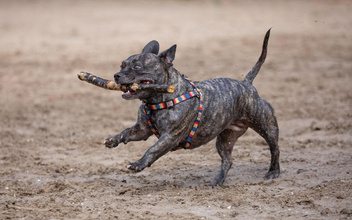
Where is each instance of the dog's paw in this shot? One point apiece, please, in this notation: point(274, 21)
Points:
point(111, 142)
point(215, 183)
point(218, 181)
point(273, 174)
point(136, 166)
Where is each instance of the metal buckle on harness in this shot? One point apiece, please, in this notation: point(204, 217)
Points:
point(196, 92)
point(170, 104)
point(147, 110)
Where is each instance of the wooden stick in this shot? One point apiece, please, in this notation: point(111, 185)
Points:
point(106, 84)
point(157, 88)
point(110, 84)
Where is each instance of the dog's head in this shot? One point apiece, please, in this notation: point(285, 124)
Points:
point(146, 67)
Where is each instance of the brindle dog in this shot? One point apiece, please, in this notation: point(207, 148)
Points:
point(229, 107)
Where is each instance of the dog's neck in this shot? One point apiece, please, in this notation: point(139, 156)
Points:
point(174, 78)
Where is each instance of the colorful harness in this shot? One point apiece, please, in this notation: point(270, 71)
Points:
point(169, 104)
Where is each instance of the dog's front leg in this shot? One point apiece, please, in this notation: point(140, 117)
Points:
point(139, 131)
point(165, 143)
point(136, 133)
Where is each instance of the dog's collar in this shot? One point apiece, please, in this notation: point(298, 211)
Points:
point(171, 103)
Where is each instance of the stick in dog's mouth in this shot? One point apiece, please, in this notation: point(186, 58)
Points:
point(111, 85)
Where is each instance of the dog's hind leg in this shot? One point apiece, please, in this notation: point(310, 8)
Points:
point(266, 125)
point(224, 145)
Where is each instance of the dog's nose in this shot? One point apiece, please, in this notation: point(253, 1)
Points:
point(117, 76)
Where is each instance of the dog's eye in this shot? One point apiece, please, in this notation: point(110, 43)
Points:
point(137, 67)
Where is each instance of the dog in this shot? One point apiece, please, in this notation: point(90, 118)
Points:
point(196, 113)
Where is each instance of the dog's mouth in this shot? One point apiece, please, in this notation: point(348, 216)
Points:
point(129, 93)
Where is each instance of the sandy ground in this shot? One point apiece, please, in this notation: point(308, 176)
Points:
point(53, 164)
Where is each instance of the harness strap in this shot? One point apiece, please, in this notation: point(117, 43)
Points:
point(146, 112)
point(171, 103)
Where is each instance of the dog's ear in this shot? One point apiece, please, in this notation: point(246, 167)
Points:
point(168, 55)
point(151, 47)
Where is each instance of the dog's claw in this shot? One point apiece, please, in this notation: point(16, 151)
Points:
point(216, 183)
point(135, 167)
point(111, 142)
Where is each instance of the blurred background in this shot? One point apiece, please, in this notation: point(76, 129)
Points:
point(52, 125)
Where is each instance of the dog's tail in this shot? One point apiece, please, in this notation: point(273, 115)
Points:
point(253, 73)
